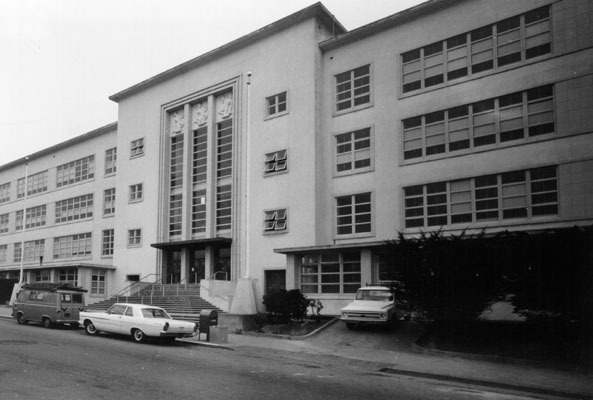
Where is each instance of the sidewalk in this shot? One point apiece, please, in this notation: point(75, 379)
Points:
point(400, 356)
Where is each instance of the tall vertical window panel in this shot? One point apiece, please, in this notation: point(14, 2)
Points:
point(110, 161)
point(4, 222)
point(353, 88)
point(198, 216)
point(224, 148)
point(5, 192)
point(176, 186)
point(516, 39)
point(353, 151)
point(223, 207)
point(108, 202)
point(108, 241)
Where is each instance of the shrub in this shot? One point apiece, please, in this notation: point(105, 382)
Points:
point(282, 305)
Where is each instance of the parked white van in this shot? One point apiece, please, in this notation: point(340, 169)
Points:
point(49, 304)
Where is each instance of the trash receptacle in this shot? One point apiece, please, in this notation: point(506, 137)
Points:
point(208, 318)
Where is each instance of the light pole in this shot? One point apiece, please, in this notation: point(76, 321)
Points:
point(17, 286)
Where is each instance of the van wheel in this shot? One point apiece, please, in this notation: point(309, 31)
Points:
point(138, 336)
point(47, 324)
point(89, 328)
point(20, 318)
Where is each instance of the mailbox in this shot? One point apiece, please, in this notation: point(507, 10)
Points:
point(208, 318)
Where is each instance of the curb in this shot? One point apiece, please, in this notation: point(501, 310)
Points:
point(207, 344)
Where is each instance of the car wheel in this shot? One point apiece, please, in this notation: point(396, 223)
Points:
point(138, 336)
point(20, 318)
point(47, 324)
point(90, 328)
point(350, 326)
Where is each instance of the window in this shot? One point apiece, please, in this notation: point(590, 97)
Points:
point(136, 193)
point(42, 276)
point(353, 89)
point(4, 218)
point(107, 243)
point(3, 254)
point(200, 155)
point(275, 220)
point(98, 282)
point(515, 116)
point(224, 148)
point(134, 237)
point(36, 216)
point(353, 214)
point(108, 202)
point(276, 105)
point(74, 246)
point(353, 151)
point(198, 224)
point(4, 192)
point(36, 183)
point(74, 209)
point(68, 275)
point(176, 185)
point(523, 194)
point(34, 250)
point(76, 171)
point(506, 42)
point(137, 148)
point(110, 161)
point(275, 162)
point(330, 273)
point(17, 252)
point(223, 207)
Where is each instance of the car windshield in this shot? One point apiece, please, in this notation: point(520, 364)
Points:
point(374, 295)
point(154, 313)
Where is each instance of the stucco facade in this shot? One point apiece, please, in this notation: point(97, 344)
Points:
point(287, 157)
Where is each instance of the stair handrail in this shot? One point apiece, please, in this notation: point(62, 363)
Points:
point(213, 276)
point(136, 283)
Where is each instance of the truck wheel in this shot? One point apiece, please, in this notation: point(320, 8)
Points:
point(47, 324)
point(350, 326)
point(138, 336)
point(20, 318)
point(89, 328)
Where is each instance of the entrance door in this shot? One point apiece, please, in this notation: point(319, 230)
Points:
point(198, 266)
point(222, 266)
point(275, 279)
point(173, 273)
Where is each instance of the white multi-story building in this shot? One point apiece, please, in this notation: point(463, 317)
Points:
point(288, 156)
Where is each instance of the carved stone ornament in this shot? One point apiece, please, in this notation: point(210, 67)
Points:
point(177, 122)
point(224, 106)
point(200, 112)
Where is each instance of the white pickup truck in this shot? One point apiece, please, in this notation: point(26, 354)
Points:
point(373, 305)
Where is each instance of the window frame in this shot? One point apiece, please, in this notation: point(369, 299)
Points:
point(77, 169)
point(336, 91)
point(273, 160)
point(353, 151)
point(137, 148)
point(110, 161)
point(338, 209)
point(136, 193)
point(107, 243)
point(315, 262)
point(276, 104)
point(275, 221)
point(134, 238)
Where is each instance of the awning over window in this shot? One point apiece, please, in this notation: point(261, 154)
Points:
point(334, 247)
point(196, 244)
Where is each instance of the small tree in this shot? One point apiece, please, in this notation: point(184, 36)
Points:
point(285, 305)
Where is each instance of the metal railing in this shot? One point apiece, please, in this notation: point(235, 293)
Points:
point(214, 275)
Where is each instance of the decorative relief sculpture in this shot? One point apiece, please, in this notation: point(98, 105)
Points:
point(224, 105)
point(200, 112)
point(177, 122)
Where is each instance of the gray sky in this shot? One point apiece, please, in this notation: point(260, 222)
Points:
point(62, 59)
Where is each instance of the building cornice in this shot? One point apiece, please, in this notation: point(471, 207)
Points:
point(316, 10)
point(70, 142)
point(386, 23)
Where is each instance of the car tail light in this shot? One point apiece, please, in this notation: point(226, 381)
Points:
point(166, 326)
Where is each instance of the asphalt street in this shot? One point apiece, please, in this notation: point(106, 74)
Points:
point(38, 363)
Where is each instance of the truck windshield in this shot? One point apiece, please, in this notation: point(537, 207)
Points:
point(374, 295)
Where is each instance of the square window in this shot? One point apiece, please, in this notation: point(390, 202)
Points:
point(276, 105)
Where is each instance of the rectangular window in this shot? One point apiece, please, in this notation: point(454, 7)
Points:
point(17, 252)
point(136, 193)
point(98, 281)
point(4, 192)
point(523, 194)
point(275, 162)
point(275, 220)
point(36, 216)
point(3, 254)
point(134, 237)
point(42, 276)
point(488, 48)
point(353, 88)
point(107, 243)
point(200, 155)
point(353, 151)
point(353, 214)
point(109, 202)
point(76, 171)
point(73, 246)
point(74, 209)
point(4, 218)
point(224, 148)
point(176, 185)
point(515, 116)
point(276, 105)
point(68, 275)
point(137, 148)
point(198, 223)
point(336, 273)
point(34, 250)
point(110, 161)
point(223, 207)
point(36, 183)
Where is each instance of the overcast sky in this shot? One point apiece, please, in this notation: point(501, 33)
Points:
point(62, 59)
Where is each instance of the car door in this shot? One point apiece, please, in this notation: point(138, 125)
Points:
point(127, 321)
point(113, 321)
